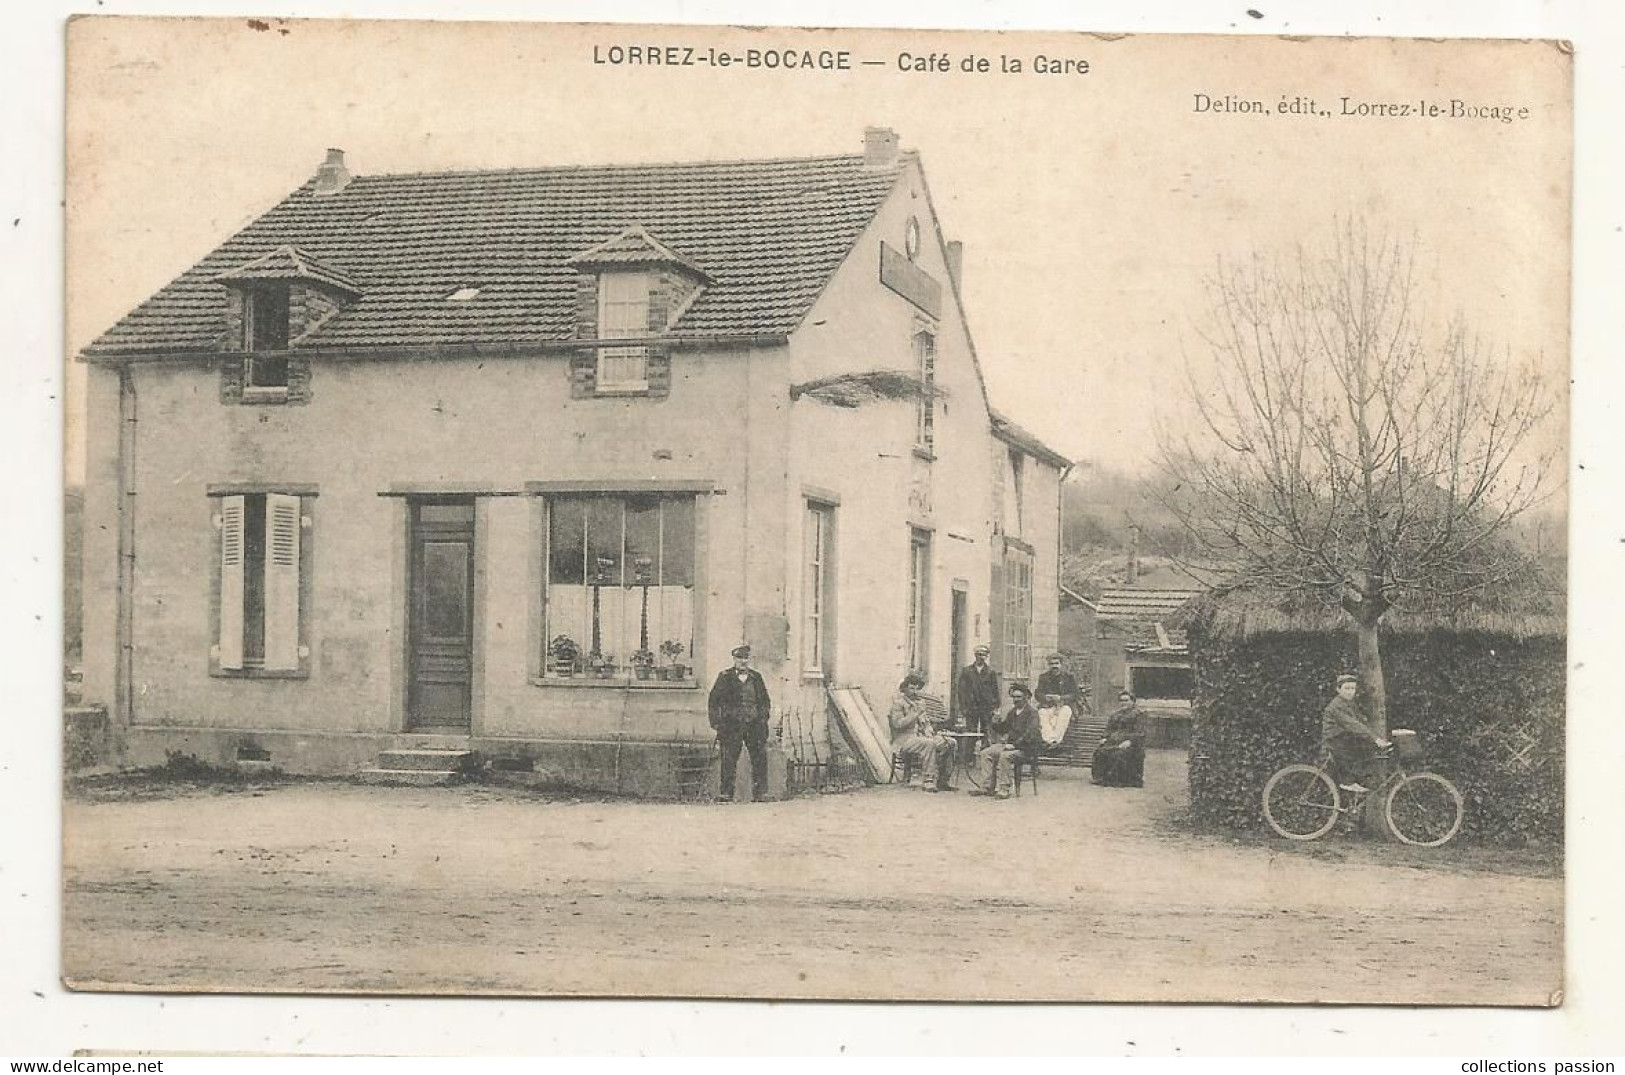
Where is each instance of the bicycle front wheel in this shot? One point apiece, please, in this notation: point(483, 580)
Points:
point(1424, 810)
point(1300, 803)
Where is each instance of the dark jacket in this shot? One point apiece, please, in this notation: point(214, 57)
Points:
point(728, 704)
point(1061, 684)
point(1341, 721)
point(1021, 729)
point(977, 694)
point(1126, 722)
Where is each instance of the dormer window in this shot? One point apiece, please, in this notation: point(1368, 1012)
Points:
point(265, 320)
point(633, 291)
point(623, 314)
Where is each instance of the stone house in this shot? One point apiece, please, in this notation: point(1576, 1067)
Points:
point(507, 462)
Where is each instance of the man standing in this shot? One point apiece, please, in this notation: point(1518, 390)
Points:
point(1016, 737)
point(915, 734)
point(739, 708)
point(1120, 759)
point(1346, 739)
point(1059, 700)
point(977, 693)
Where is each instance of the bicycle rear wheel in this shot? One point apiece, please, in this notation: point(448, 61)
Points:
point(1301, 803)
point(1424, 810)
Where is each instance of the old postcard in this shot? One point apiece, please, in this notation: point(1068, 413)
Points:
point(810, 513)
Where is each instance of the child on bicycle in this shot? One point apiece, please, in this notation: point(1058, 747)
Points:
point(1347, 740)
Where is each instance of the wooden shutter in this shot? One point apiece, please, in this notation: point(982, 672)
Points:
point(231, 582)
point(281, 582)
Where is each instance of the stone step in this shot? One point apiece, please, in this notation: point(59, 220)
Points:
point(417, 778)
point(429, 759)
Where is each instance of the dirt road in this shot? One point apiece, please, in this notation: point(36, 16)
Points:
point(1080, 893)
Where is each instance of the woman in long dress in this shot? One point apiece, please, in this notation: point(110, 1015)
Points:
point(1120, 758)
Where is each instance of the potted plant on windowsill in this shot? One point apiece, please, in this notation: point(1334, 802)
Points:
point(565, 655)
point(671, 649)
point(643, 664)
point(602, 665)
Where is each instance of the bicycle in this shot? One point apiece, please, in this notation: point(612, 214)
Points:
point(1423, 809)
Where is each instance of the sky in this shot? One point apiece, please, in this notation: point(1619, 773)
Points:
point(1092, 207)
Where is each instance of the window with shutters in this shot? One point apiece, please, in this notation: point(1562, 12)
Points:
point(925, 357)
point(1018, 613)
point(623, 313)
point(260, 585)
point(818, 589)
point(919, 600)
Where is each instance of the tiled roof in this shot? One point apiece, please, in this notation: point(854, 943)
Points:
point(1149, 605)
point(1011, 433)
point(767, 233)
point(291, 263)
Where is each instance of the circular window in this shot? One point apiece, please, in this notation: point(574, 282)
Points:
point(911, 238)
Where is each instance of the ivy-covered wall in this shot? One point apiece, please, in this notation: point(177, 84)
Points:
point(1488, 709)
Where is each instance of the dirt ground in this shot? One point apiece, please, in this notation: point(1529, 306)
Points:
point(1078, 893)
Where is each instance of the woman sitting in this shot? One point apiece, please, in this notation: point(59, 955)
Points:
point(1120, 758)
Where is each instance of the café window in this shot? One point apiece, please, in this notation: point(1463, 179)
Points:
point(919, 599)
point(1018, 613)
point(1162, 684)
point(619, 595)
point(818, 584)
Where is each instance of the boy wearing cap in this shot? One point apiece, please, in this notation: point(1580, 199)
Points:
point(976, 695)
point(1348, 742)
point(739, 708)
point(1017, 736)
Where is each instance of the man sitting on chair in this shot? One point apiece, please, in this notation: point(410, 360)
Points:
point(915, 735)
point(1058, 700)
point(1016, 737)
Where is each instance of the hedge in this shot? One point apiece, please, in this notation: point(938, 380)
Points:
point(1468, 696)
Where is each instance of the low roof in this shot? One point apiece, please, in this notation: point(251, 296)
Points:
point(1143, 604)
point(1012, 434)
point(767, 233)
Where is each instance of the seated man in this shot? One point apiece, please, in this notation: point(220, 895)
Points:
point(916, 736)
point(1347, 741)
point(1058, 700)
point(1016, 736)
point(1120, 759)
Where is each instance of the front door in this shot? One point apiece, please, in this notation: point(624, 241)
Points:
point(440, 628)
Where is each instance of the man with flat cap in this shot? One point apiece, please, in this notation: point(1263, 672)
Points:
point(1017, 736)
point(739, 708)
point(976, 695)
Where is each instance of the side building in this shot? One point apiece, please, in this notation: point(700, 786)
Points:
point(509, 461)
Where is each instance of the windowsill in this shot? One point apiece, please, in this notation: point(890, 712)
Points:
point(1179, 705)
point(621, 390)
point(617, 683)
point(925, 453)
point(259, 673)
point(813, 677)
point(265, 394)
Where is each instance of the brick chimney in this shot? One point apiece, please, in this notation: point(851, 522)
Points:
point(956, 262)
point(332, 176)
point(879, 147)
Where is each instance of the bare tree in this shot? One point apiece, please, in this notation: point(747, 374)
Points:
point(1347, 452)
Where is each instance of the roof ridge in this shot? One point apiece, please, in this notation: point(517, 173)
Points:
point(554, 169)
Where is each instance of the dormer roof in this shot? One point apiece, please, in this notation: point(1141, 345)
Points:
point(290, 263)
point(634, 247)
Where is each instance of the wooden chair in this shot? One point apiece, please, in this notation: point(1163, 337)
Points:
point(1030, 764)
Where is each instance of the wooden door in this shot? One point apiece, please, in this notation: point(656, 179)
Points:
point(956, 647)
point(440, 628)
